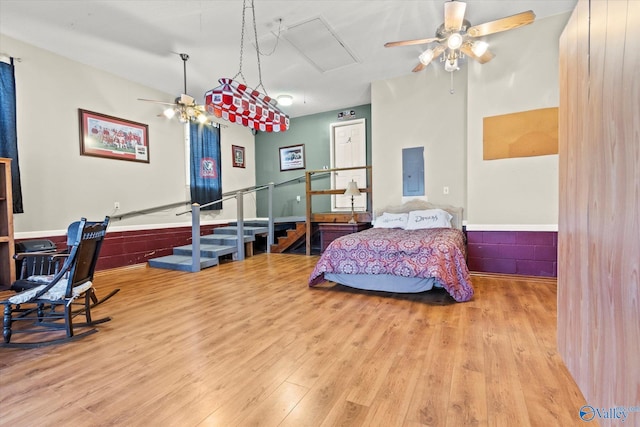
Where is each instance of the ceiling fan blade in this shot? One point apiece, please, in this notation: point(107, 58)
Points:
point(503, 24)
point(454, 15)
point(485, 57)
point(411, 42)
point(156, 102)
point(418, 67)
point(437, 51)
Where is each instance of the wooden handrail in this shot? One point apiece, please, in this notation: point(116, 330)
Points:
point(310, 192)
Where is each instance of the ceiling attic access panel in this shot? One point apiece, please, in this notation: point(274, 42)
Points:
point(320, 45)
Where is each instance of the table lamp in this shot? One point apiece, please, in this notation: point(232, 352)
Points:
point(352, 190)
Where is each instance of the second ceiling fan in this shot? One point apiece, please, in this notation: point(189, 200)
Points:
point(456, 37)
point(184, 107)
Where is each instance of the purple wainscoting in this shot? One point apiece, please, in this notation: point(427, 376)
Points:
point(122, 248)
point(530, 253)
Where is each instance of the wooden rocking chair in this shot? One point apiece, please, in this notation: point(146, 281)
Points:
point(35, 264)
point(48, 309)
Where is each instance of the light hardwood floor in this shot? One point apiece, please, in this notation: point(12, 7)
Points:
point(248, 343)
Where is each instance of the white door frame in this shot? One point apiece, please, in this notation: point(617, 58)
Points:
point(338, 202)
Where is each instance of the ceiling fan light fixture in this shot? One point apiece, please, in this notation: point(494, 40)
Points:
point(426, 57)
point(285, 100)
point(479, 48)
point(454, 41)
point(202, 118)
point(169, 113)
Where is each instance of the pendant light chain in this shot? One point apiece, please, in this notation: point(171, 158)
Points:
point(244, 8)
point(255, 33)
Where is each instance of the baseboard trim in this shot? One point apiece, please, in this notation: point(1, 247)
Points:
point(515, 277)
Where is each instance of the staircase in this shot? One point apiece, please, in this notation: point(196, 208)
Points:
point(222, 242)
point(293, 235)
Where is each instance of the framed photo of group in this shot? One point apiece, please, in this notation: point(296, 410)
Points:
point(238, 156)
point(112, 137)
point(292, 157)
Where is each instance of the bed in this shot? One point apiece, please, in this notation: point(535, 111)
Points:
point(412, 248)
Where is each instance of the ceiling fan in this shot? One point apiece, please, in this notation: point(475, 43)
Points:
point(184, 107)
point(456, 38)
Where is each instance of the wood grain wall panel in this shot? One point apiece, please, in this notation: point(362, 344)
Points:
point(596, 152)
point(566, 181)
point(582, 191)
point(599, 216)
point(572, 241)
point(628, 195)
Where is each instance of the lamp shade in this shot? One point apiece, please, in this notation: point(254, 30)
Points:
point(479, 48)
point(426, 57)
point(169, 113)
point(352, 189)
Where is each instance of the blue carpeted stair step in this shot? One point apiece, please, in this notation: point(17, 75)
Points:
point(206, 250)
point(248, 230)
point(224, 239)
point(180, 262)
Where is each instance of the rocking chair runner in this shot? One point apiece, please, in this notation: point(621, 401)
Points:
point(50, 306)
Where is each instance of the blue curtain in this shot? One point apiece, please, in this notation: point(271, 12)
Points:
point(8, 130)
point(206, 183)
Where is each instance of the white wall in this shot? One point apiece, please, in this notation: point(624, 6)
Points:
point(519, 193)
point(418, 110)
point(60, 186)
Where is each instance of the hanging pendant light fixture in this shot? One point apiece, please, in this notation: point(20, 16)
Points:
point(237, 103)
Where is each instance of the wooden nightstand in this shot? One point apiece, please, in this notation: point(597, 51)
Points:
point(330, 231)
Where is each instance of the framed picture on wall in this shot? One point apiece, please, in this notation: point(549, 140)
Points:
point(292, 157)
point(238, 156)
point(113, 138)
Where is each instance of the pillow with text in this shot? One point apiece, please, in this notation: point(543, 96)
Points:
point(391, 220)
point(430, 218)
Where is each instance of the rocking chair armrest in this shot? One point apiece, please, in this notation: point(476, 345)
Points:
point(43, 263)
point(51, 255)
point(22, 255)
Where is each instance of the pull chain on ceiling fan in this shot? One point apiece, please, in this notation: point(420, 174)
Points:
point(455, 37)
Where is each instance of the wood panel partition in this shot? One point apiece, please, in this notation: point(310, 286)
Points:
point(599, 220)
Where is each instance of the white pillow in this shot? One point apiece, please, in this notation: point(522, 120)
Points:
point(430, 218)
point(391, 220)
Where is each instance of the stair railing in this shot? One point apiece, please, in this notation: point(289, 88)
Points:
point(239, 196)
point(195, 217)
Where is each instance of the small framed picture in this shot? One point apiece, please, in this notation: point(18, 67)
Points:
point(238, 156)
point(113, 138)
point(292, 157)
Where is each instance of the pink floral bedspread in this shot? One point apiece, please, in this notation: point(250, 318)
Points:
point(435, 252)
